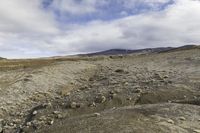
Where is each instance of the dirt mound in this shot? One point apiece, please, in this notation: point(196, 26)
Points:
point(165, 118)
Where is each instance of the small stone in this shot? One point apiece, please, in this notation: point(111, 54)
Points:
point(37, 123)
point(43, 118)
point(103, 99)
point(92, 104)
point(16, 121)
point(126, 83)
point(182, 118)
point(169, 101)
point(166, 76)
point(51, 122)
point(74, 105)
point(97, 114)
point(35, 112)
point(113, 95)
point(56, 112)
point(196, 131)
point(112, 92)
point(83, 88)
point(170, 121)
point(28, 123)
point(59, 116)
point(138, 90)
point(100, 99)
point(129, 98)
point(11, 124)
point(1, 129)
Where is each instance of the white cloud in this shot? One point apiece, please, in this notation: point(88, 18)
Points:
point(22, 16)
point(175, 26)
point(26, 30)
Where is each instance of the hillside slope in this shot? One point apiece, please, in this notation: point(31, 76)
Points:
point(158, 92)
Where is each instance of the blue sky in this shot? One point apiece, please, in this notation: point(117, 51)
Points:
point(40, 28)
point(107, 10)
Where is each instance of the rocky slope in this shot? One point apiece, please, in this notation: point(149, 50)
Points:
point(152, 92)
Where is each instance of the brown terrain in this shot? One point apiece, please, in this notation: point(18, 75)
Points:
point(136, 93)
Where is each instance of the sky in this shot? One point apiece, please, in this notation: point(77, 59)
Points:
point(41, 28)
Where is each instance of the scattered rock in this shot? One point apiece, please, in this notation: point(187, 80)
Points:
point(158, 76)
point(100, 99)
point(43, 118)
point(56, 112)
point(126, 83)
point(11, 124)
point(47, 104)
point(16, 121)
point(51, 122)
point(37, 123)
point(83, 88)
point(28, 124)
point(113, 82)
point(59, 116)
point(97, 114)
point(129, 98)
point(170, 121)
point(92, 104)
point(197, 130)
point(169, 101)
point(138, 90)
point(35, 112)
point(65, 91)
point(112, 92)
point(182, 118)
point(74, 105)
point(166, 76)
point(1, 129)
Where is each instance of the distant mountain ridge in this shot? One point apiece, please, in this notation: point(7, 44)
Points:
point(128, 51)
point(146, 50)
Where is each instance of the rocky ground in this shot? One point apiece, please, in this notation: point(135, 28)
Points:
point(140, 93)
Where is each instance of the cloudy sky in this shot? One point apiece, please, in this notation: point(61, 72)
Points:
point(35, 28)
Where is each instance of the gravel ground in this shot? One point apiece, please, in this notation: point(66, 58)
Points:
point(158, 93)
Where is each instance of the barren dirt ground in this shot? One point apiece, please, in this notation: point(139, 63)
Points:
point(138, 93)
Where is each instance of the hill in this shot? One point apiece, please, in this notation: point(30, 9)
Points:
point(154, 92)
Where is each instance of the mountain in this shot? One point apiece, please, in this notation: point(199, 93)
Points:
point(128, 51)
point(1, 58)
point(185, 47)
point(146, 50)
